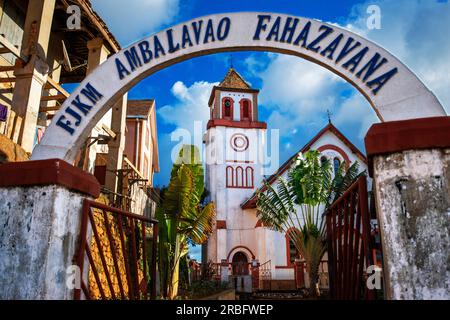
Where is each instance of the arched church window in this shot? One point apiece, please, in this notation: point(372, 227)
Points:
point(239, 177)
point(336, 164)
point(249, 177)
point(323, 160)
point(245, 109)
point(230, 176)
point(227, 108)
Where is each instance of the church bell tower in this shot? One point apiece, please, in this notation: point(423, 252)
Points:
point(235, 144)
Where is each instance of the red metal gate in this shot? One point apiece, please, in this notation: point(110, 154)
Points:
point(349, 243)
point(114, 256)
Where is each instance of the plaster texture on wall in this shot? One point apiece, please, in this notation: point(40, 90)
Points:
point(38, 239)
point(413, 199)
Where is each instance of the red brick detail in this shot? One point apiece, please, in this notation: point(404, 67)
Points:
point(288, 246)
point(299, 274)
point(221, 224)
point(48, 172)
point(338, 150)
point(397, 136)
point(231, 116)
point(240, 247)
point(100, 174)
point(255, 277)
point(236, 124)
point(259, 224)
point(249, 111)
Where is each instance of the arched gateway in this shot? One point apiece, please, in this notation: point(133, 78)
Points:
point(392, 89)
point(408, 155)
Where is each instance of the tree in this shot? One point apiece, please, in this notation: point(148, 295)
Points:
point(297, 205)
point(182, 217)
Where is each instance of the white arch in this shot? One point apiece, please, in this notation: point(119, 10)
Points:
point(392, 89)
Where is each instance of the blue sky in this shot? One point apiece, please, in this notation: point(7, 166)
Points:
point(295, 94)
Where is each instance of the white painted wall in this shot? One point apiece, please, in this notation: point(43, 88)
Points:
point(240, 224)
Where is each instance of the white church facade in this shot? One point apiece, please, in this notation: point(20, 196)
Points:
point(235, 142)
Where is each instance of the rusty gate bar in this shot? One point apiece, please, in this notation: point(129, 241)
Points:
point(120, 229)
point(349, 243)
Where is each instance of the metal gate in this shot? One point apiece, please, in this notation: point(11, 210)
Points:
point(349, 243)
point(117, 254)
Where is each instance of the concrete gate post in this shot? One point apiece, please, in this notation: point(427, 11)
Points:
point(40, 214)
point(410, 165)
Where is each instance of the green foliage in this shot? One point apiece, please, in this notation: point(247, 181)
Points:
point(296, 205)
point(182, 217)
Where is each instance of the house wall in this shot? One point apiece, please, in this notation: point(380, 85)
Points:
point(145, 147)
point(130, 140)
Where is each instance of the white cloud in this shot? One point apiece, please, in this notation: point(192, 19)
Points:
point(355, 111)
point(191, 105)
point(417, 33)
point(296, 91)
point(189, 114)
point(133, 19)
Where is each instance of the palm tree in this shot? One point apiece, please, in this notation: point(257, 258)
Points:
point(297, 205)
point(182, 217)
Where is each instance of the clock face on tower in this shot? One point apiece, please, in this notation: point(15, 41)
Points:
point(239, 142)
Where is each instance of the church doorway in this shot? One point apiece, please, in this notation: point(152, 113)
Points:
point(240, 264)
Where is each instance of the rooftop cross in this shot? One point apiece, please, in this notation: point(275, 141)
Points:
point(329, 114)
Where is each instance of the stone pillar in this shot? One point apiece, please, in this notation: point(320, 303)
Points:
point(255, 274)
point(31, 78)
point(117, 145)
point(40, 215)
point(98, 53)
point(224, 274)
point(410, 165)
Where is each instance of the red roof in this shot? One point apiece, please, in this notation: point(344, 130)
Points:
point(251, 202)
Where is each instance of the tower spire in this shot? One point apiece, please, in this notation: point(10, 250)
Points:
point(329, 114)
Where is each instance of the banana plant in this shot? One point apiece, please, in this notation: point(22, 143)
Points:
point(296, 206)
point(182, 217)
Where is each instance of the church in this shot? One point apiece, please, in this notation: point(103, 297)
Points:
point(235, 141)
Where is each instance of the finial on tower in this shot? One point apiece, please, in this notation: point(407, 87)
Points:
point(230, 60)
point(329, 114)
